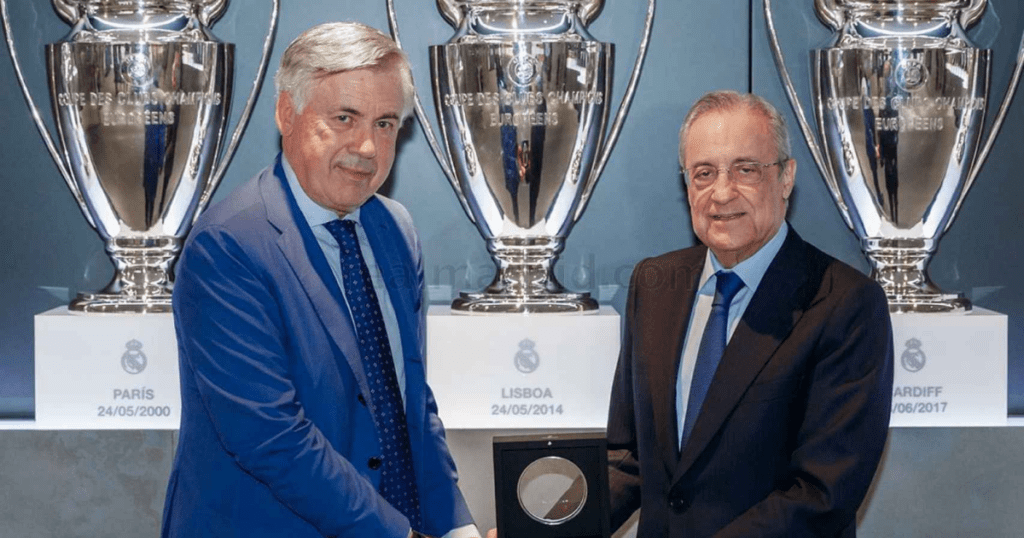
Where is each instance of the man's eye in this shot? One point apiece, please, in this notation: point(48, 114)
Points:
point(702, 173)
point(746, 169)
point(344, 118)
point(385, 124)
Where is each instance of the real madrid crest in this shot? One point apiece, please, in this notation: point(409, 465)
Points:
point(526, 359)
point(133, 360)
point(913, 358)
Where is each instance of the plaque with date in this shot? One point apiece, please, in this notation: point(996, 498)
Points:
point(551, 486)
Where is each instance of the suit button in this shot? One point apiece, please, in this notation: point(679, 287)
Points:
point(361, 399)
point(373, 463)
point(677, 505)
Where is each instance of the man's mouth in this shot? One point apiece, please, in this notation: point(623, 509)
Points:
point(358, 173)
point(721, 217)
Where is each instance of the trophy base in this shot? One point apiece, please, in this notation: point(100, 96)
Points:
point(928, 303)
point(488, 303)
point(112, 303)
point(900, 266)
point(142, 278)
point(525, 281)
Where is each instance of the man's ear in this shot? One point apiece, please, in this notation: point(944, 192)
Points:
point(789, 177)
point(284, 113)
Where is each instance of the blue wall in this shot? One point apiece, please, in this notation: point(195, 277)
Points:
point(48, 252)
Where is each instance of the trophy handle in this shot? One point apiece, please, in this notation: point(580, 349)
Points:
point(448, 9)
point(830, 13)
point(589, 9)
point(243, 120)
point(58, 159)
point(971, 15)
point(620, 116)
point(67, 9)
point(209, 11)
point(794, 100)
point(428, 130)
point(997, 124)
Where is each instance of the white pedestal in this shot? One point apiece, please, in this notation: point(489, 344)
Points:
point(522, 371)
point(106, 371)
point(950, 369)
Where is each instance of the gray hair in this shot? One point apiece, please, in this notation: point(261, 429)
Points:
point(730, 100)
point(337, 47)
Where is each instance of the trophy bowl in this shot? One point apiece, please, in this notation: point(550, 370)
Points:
point(141, 92)
point(900, 99)
point(522, 93)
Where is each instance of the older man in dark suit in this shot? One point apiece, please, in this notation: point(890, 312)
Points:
point(752, 393)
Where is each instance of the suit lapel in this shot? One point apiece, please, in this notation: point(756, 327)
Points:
point(396, 266)
point(662, 336)
point(307, 260)
point(779, 302)
point(401, 276)
point(395, 263)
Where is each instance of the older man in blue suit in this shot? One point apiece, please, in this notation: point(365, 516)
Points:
point(300, 325)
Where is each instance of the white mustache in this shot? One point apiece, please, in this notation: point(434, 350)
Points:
point(356, 163)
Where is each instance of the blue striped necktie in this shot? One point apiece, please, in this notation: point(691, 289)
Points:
point(712, 345)
point(398, 481)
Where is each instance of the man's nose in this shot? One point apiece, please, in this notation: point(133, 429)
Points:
point(723, 188)
point(363, 142)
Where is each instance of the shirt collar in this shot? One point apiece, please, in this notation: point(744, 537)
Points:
point(750, 270)
point(314, 213)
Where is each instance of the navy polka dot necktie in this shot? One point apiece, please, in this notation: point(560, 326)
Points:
point(712, 346)
point(398, 482)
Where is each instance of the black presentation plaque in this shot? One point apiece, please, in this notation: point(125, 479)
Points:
point(551, 486)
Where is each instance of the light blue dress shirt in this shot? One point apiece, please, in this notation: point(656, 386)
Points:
point(317, 216)
point(750, 271)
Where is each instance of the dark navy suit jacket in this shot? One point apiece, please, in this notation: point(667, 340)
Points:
point(795, 420)
point(277, 438)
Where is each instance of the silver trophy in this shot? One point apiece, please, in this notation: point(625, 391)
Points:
point(522, 92)
point(900, 100)
point(140, 91)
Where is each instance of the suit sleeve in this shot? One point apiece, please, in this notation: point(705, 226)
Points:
point(623, 466)
point(232, 340)
point(842, 434)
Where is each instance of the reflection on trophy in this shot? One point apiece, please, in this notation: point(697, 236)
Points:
point(140, 91)
point(522, 94)
point(900, 100)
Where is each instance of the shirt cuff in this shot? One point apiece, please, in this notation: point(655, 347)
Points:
point(467, 531)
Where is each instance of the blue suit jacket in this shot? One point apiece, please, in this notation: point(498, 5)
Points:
point(276, 436)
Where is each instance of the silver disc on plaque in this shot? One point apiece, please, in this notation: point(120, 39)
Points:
point(551, 486)
point(522, 93)
point(900, 99)
point(552, 490)
point(141, 92)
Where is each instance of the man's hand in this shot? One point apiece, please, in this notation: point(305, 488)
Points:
point(493, 533)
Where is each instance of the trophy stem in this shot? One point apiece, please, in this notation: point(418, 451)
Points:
point(142, 278)
point(524, 282)
point(901, 267)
